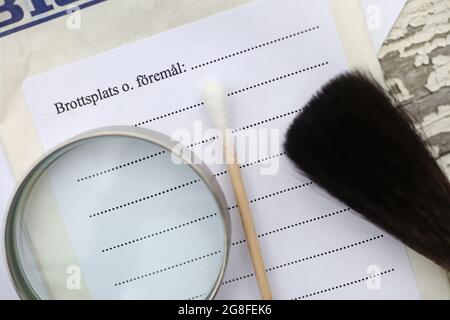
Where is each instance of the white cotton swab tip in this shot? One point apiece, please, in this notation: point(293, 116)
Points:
point(215, 99)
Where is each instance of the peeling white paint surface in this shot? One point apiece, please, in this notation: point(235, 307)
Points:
point(431, 18)
point(402, 93)
point(416, 60)
point(440, 77)
point(437, 122)
point(446, 162)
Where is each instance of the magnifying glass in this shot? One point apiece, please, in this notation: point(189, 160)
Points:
point(118, 213)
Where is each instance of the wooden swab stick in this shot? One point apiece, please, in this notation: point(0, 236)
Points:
point(215, 101)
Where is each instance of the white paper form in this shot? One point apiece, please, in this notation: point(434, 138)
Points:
point(7, 184)
point(271, 58)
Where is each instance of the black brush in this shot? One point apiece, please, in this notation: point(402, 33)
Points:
point(361, 147)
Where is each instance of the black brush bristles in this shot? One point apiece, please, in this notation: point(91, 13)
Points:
point(353, 141)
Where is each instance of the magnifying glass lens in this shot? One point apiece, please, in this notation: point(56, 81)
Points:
point(116, 217)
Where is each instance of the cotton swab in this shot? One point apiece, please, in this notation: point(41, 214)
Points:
point(215, 100)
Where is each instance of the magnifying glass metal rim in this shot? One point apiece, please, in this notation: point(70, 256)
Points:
point(18, 276)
